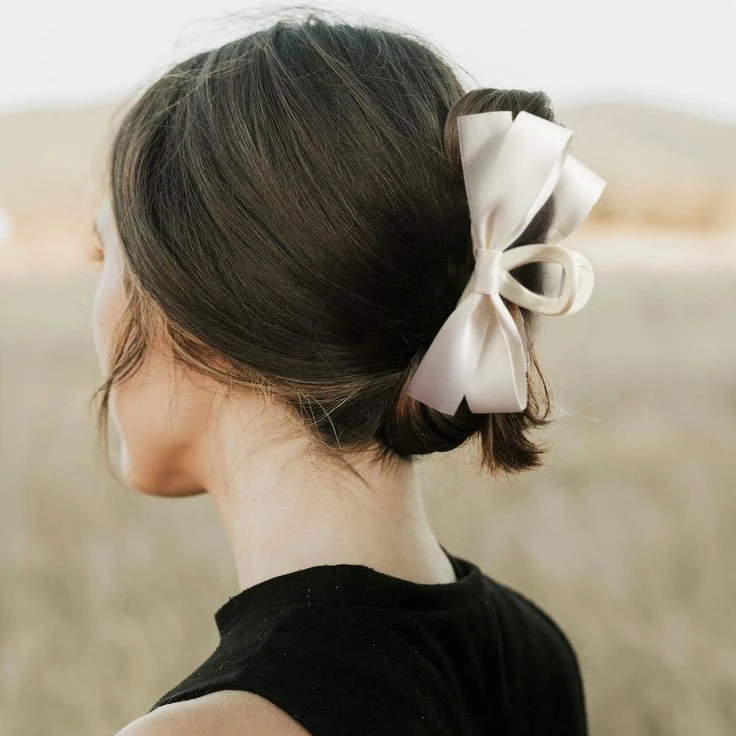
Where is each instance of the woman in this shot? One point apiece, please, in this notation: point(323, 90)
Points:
point(287, 230)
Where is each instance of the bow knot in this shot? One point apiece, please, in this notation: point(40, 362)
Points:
point(487, 272)
point(511, 167)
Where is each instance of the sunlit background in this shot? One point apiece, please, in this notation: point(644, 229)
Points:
point(627, 535)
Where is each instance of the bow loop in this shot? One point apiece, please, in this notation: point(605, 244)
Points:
point(511, 167)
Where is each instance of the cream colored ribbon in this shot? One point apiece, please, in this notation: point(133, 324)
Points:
point(511, 167)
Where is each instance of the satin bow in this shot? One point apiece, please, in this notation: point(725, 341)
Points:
point(511, 166)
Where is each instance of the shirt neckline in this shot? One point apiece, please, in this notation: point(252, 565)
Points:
point(354, 585)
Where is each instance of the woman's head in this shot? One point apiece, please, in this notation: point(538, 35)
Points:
point(290, 222)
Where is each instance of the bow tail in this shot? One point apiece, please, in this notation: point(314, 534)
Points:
point(447, 368)
point(499, 381)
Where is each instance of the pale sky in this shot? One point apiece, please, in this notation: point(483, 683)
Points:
point(61, 52)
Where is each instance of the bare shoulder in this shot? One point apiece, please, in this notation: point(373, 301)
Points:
point(223, 713)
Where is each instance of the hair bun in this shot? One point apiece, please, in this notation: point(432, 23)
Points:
point(410, 427)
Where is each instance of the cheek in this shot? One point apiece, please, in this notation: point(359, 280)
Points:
point(107, 311)
point(130, 400)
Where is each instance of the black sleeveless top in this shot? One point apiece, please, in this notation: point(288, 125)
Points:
point(350, 651)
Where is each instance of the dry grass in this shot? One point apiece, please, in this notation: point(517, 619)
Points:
point(627, 537)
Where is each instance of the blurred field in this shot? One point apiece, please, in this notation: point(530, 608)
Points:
point(627, 537)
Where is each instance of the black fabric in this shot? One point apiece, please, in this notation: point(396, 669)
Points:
point(350, 651)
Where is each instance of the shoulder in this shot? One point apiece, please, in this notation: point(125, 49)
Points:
point(534, 635)
point(222, 713)
point(524, 608)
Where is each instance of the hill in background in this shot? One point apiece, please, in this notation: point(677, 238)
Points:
point(663, 169)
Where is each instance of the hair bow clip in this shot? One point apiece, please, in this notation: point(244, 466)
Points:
point(511, 166)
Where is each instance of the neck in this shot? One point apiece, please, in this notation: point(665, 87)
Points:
point(285, 509)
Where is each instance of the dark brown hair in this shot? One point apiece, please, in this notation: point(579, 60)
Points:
point(293, 219)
